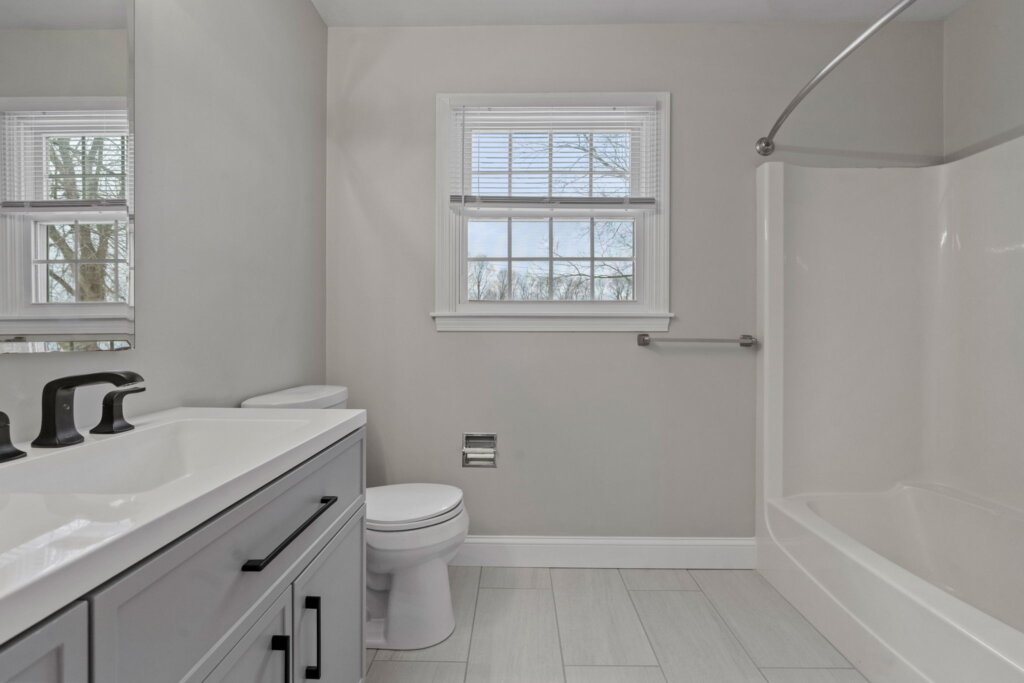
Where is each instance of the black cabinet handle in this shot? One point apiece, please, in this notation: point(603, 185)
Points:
point(260, 565)
point(284, 644)
point(313, 602)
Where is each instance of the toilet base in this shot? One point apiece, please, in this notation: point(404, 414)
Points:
point(414, 611)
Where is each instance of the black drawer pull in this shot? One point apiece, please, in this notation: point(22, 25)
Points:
point(284, 644)
point(260, 565)
point(313, 602)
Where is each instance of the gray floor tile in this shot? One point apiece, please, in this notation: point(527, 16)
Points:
point(692, 642)
point(613, 674)
point(515, 577)
point(772, 631)
point(370, 654)
point(813, 676)
point(416, 672)
point(597, 622)
point(464, 582)
point(658, 580)
point(515, 638)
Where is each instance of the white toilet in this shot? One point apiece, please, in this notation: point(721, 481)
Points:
point(412, 533)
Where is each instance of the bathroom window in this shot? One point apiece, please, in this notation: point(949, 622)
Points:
point(552, 212)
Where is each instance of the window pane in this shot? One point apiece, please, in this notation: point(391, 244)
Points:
point(612, 152)
point(86, 167)
point(122, 282)
point(611, 186)
point(571, 152)
point(98, 282)
point(490, 151)
point(530, 184)
point(60, 283)
point(530, 280)
point(613, 281)
point(613, 239)
point(60, 242)
point(99, 241)
point(530, 239)
point(572, 239)
point(487, 239)
point(530, 151)
point(487, 280)
point(571, 281)
point(570, 185)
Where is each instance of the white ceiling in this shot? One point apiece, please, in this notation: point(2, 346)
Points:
point(43, 14)
point(482, 12)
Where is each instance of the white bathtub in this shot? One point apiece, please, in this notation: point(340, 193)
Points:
point(932, 577)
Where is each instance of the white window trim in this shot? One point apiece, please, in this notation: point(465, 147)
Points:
point(649, 313)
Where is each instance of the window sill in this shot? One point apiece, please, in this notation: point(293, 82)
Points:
point(465, 322)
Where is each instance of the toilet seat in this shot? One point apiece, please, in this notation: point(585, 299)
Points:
point(407, 507)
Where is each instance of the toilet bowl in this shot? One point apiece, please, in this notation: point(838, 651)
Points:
point(412, 533)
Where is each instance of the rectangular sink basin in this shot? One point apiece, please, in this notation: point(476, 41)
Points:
point(146, 458)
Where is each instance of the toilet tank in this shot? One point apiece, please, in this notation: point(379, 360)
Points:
point(309, 396)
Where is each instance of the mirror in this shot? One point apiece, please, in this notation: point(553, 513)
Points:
point(66, 180)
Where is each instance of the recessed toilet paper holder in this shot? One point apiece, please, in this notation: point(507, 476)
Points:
point(479, 450)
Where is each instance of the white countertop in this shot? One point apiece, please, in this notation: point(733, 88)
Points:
point(56, 544)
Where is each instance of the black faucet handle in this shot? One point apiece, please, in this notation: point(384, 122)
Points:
point(7, 449)
point(112, 421)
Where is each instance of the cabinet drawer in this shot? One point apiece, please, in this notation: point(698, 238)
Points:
point(160, 621)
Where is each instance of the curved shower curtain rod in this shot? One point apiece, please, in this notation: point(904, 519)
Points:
point(766, 145)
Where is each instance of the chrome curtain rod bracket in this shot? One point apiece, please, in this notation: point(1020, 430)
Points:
point(747, 341)
point(766, 145)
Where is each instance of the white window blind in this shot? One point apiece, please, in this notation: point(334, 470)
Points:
point(65, 158)
point(598, 156)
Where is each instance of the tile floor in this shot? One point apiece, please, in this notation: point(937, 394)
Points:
point(618, 626)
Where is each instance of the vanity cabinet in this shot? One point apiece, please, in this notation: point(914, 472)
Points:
point(56, 651)
point(207, 607)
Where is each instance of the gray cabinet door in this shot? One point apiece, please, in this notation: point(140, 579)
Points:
point(263, 655)
point(57, 651)
point(329, 609)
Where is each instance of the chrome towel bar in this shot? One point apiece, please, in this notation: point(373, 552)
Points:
point(747, 341)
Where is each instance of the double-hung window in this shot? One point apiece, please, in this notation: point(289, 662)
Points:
point(552, 212)
point(65, 189)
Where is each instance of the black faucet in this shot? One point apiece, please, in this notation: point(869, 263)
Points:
point(58, 426)
point(7, 449)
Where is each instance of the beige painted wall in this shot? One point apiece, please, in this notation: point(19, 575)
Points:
point(230, 180)
point(984, 76)
point(63, 63)
point(596, 435)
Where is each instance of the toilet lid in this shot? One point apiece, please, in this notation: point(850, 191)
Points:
point(401, 504)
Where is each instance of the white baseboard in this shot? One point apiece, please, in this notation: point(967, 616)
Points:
point(604, 551)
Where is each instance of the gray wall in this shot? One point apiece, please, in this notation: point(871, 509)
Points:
point(984, 76)
point(63, 63)
point(230, 130)
point(596, 435)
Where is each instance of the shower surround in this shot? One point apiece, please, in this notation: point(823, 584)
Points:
point(890, 406)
